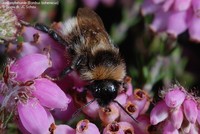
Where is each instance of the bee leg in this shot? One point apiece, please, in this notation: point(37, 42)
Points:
point(61, 75)
point(46, 29)
point(74, 65)
point(51, 32)
point(65, 72)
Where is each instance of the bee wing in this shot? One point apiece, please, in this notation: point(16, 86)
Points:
point(91, 27)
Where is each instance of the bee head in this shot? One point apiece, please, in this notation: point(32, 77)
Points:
point(104, 91)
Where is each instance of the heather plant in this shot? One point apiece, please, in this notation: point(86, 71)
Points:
point(177, 112)
point(159, 41)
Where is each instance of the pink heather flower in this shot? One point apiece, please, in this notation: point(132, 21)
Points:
point(141, 99)
point(174, 16)
point(119, 128)
point(178, 111)
point(85, 127)
point(122, 98)
point(143, 126)
point(128, 85)
point(92, 109)
point(109, 114)
point(24, 130)
point(125, 91)
point(198, 116)
point(39, 42)
point(27, 95)
point(132, 109)
point(65, 115)
point(94, 3)
point(175, 97)
point(36, 41)
point(113, 127)
point(33, 117)
point(169, 128)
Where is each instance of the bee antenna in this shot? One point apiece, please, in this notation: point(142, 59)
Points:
point(125, 110)
point(81, 108)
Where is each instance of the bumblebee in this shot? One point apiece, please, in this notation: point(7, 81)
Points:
point(94, 56)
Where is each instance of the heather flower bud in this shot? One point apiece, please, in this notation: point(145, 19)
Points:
point(108, 114)
point(174, 97)
point(177, 117)
point(159, 113)
point(85, 127)
point(190, 110)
